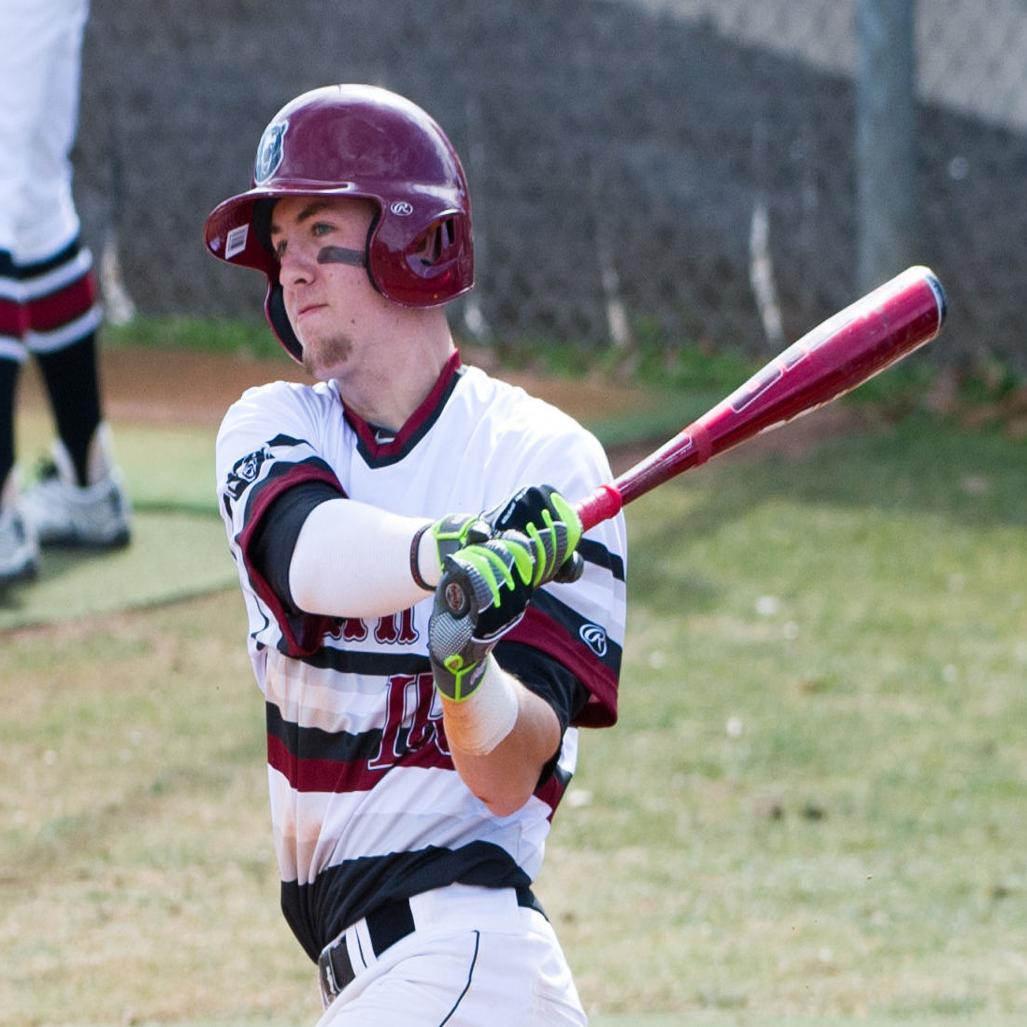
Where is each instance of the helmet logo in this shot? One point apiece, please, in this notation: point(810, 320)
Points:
point(402, 209)
point(269, 152)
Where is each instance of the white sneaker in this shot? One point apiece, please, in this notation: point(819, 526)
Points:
point(19, 548)
point(64, 513)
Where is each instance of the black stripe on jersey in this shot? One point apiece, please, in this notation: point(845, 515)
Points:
point(597, 553)
point(312, 743)
point(343, 894)
point(573, 623)
point(287, 440)
point(353, 661)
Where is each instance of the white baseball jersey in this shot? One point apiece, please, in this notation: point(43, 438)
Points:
point(365, 801)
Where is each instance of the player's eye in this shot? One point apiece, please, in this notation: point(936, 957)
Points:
point(320, 228)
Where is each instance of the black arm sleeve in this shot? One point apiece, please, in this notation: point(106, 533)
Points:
point(275, 538)
point(549, 680)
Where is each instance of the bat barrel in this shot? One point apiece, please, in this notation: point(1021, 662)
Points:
point(841, 353)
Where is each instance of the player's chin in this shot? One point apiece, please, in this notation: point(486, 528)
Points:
point(323, 357)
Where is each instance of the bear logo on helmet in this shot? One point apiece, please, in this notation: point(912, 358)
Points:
point(269, 152)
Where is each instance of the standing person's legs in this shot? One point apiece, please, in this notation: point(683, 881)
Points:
point(25, 29)
point(82, 501)
point(56, 274)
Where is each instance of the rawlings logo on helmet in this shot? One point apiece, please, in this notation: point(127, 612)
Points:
point(269, 152)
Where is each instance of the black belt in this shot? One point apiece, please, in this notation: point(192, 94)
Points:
point(386, 924)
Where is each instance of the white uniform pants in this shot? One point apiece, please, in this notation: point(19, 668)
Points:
point(40, 62)
point(475, 959)
point(47, 291)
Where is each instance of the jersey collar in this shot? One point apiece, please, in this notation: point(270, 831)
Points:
point(379, 448)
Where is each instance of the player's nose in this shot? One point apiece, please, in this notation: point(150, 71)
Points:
point(297, 266)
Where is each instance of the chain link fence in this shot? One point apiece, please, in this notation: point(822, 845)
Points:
point(678, 171)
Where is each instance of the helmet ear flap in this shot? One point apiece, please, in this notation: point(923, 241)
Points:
point(261, 221)
point(278, 319)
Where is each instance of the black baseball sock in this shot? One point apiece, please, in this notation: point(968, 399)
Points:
point(72, 382)
point(9, 370)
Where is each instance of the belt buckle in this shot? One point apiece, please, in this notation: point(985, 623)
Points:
point(329, 985)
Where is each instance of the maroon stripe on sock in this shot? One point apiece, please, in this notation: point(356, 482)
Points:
point(14, 320)
point(47, 313)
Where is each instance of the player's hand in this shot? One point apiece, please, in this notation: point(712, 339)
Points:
point(551, 524)
point(484, 591)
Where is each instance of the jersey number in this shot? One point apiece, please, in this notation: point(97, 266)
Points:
point(413, 720)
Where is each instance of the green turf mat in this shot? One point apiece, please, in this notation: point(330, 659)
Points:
point(172, 555)
point(168, 469)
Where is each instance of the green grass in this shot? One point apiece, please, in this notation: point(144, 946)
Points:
point(811, 812)
point(207, 335)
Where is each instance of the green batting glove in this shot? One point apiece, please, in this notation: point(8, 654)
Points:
point(484, 592)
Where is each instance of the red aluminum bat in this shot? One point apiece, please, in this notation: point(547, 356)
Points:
point(836, 356)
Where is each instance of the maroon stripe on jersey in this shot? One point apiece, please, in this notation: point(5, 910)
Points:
point(47, 313)
point(545, 634)
point(380, 454)
point(14, 319)
point(301, 635)
point(342, 776)
point(552, 791)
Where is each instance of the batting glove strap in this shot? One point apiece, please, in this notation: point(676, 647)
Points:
point(449, 535)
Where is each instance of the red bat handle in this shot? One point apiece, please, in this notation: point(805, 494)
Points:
point(836, 356)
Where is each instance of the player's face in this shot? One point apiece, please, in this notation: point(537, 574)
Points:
point(320, 244)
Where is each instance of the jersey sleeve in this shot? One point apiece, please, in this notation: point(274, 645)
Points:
point(581, 625)
point(269, 442)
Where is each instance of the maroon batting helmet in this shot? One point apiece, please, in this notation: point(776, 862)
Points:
point(356, 140)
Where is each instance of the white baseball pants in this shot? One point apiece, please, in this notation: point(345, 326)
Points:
point(39, 81)
point(475, 959)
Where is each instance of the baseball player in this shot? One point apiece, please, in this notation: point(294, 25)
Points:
point(426, 624)
point(48, 301)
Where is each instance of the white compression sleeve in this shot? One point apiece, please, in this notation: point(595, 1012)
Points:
point(353, 560)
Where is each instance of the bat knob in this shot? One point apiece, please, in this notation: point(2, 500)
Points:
point(455, 597)
point(939, 294)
